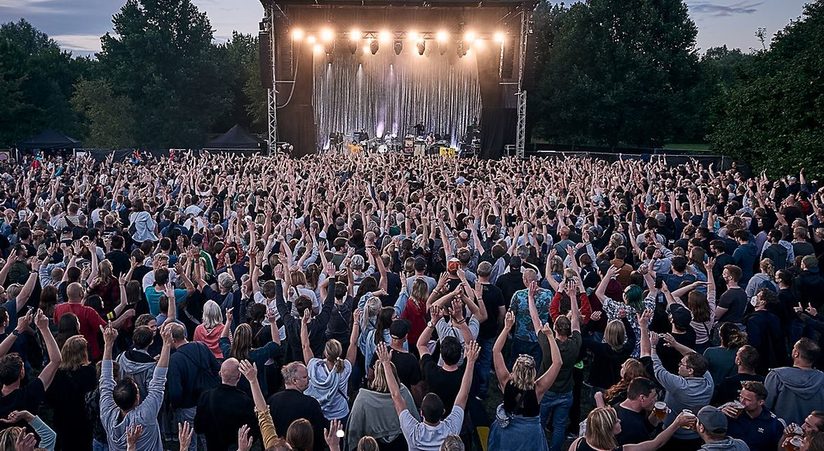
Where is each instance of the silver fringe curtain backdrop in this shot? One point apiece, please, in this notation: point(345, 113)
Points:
point(387, 94)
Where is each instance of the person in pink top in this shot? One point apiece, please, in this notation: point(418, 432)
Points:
point(209, 330)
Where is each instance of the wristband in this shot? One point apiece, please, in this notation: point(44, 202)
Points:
point(15, 333)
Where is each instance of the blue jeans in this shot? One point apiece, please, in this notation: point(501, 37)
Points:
point(525, 347)
point(188, 415)
point(557, 406)
point(98, 446)
point(480, 382)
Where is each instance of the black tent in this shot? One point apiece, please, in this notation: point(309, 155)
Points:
point(236, 139)
point(49, 140)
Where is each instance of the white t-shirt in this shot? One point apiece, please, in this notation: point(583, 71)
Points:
point(423, 437)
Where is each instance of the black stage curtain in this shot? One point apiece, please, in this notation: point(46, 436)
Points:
point(497, 130)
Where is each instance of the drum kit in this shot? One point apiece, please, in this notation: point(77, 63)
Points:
point(412, 144)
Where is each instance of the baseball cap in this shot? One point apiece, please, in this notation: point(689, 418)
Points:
point(399, 328)
point(681, 317)
point(713, 419)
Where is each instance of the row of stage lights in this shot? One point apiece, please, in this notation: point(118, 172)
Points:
point(325, 38)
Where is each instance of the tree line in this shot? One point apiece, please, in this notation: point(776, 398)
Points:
point(607, 73)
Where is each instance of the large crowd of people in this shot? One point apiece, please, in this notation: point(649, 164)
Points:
point(379, 302)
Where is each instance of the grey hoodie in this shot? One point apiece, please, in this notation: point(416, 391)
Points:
point(728, 444)
point(792, 393)
point(140, 372)
point(144, 414)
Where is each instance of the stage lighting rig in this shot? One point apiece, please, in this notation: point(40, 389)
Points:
point(421, 47)
point(374, 46)
point(398, 46)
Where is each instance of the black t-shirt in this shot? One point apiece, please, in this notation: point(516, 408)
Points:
point(28, 397)
point(493, 299)
point(120, 262)
point(670, 358)
point(635, 426)
point(289, 405)
point(509, 283)
point(735, 301)
point(409, 369)
point(445, 384)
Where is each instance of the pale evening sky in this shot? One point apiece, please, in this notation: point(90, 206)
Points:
point(78, 24)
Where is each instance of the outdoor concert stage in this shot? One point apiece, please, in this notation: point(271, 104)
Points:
point(343, 70)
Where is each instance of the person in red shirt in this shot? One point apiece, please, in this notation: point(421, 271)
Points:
point(90, 320)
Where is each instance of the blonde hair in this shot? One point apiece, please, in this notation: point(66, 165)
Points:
point(615, 334)
point(768, 268)
point(420, 290)
point(379, 383)
point(523, 373)
point(74, 353)
point(8, 438)
point(104, 272)
point(600, 423)
point(212, 316)
point(332, 352)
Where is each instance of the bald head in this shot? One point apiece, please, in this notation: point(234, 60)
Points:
point(230, 371)
point(74, 292)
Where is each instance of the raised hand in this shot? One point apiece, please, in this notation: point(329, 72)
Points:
point(133, 433)
point(546, 329)
point(509, 320)
point(184, 435)
point(384, 354)
point(333, 435)
point(248, 370)
point(244, 439)
point(471, 351)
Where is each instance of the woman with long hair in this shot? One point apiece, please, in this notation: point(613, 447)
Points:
point(701, 306)
point(633, 304)
point(300, 435)
point(329, 376)
point(610, 353)
point(765, 278)
point(374, 329)
point(106, 286)
point(241, 346)
point(617, 393)
point(603, 426)
point(10, 437)
point(721, 359)
point(211, 328)
point(414, 309)
point(518, 423)
point(68, 326)
point(67, 394)
point(48, 300)
point(373, 414)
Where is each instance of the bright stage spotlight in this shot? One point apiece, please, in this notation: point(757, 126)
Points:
point(317, 48)
point(311, 39)
point(469, 36)
point(366, 49)
point(500, 37)
point(479, 44)
point(297, 34)
point(421, 47)
point(398, 46)
point(327, 34)
point(442, 36)
point(373, 46)
point(384, 36)
point(413, 36)
point(355, 35)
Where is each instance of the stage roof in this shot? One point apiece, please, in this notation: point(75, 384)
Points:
point(401, 3)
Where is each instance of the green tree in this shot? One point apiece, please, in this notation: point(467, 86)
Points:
point(36, 80)
point(616, 72)
point(772, 116)
point(239, 64)
point(162, 58)
point(110, 117)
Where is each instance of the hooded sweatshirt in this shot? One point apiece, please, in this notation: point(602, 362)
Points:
point(329, 388)
point(144, 414)
point(373, 414)
point(192, 370)
point(728, 444)
point(139, 366)
point(792, 393)
point(210, 337)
